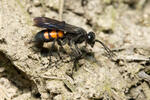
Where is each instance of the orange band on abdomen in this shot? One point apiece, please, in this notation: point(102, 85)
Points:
point(46, 35)
point(60, 34)
point(53, 34)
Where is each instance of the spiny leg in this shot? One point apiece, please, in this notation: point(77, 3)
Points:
point(78, 50)
point(60, 44)
point(50, 51)
point(70, 45)
point(73, 42)
point(75, 65)
point(74, 50)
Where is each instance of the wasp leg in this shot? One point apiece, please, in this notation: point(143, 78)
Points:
point(64, 41)
point(77, 40)
point(73, 58)
point(51, 48)
point(64, 51)
point(76, 64)
point(76, 50)
point(60, 44)
point(73, 42)
point(70, 45)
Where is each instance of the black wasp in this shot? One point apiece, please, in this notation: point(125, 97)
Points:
point(62, 33)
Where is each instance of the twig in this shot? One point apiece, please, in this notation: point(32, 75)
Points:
point(52, 77)
point(27, 16)
point(61, 6)
point(133, 59)
point(144, 76)
point(118, 49)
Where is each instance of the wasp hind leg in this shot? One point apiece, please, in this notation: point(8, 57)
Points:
point(51, 50)
point(61, 47)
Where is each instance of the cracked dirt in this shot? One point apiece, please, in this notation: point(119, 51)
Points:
point(28, 74)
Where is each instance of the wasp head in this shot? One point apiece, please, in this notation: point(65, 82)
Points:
point(91, 38)
point(91, 41)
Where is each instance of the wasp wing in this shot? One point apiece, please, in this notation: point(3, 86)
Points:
point(49, 23)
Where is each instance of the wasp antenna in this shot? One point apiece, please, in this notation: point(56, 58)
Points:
point(106, 48)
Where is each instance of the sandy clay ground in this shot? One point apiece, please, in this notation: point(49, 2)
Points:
point(26, 73)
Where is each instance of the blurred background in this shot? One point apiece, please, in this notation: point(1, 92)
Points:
point(123, 25)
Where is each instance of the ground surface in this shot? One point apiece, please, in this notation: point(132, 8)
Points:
point(27, 74)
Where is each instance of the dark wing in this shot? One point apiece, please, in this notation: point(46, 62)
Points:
point(49, 23)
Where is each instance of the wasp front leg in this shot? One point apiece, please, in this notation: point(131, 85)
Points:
point(76, 50)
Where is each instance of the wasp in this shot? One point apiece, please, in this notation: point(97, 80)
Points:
point(62, 33)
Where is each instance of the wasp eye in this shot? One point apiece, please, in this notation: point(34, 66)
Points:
point(91, 38)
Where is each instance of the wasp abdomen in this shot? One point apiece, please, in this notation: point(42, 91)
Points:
point(48, 35)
